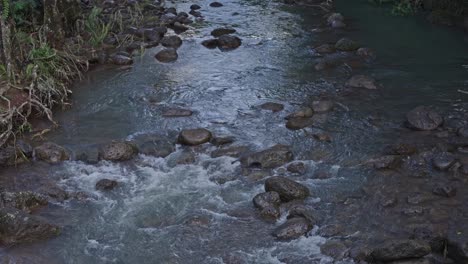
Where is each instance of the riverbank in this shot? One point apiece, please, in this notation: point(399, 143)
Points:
point(365, 185)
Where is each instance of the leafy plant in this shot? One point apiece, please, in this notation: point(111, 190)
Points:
point(96, 27)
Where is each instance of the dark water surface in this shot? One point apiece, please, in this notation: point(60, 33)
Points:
point(147, 218)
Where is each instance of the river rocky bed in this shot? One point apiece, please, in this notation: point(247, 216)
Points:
point(256, 132)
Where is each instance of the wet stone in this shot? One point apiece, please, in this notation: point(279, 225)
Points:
point(401, 149)
point(178, 29)
point(387, 162)
point(366, 53)
point(292, 229)
point(171, 42)
point(106, 185)
point(335, 249)
point(157, 147)
point(222, 179)
point(324, 137)
point(266, 199)
point(210, 43)
point(186, 157)
point(167, 55)
point(325, 48)
point(269, 158)
point(413, 211)
point(362, 81)
point(221, 140)
point(118, 151)
point(270, 213)
point(334, 17)
point(400, 249)
point(51, 153)
point(193, 137)
point(195, 13)
point(216, 4)
point(228, 42)
point(270, 106)
point(222, 31)
point(18, 227)
point(177, 112)
point(234, 152)
point(195, 7)
point(443, 161)
point(89, 155)
point(331, 230)
point(444, 190)
point(121, 60)
point(305, 112)
point(388, 202)
point(25, 201)
point(288, 190)
point(345, 44)
point(418, 198)
point(297, 123)
point(297, 167)
point(25, 148)
point(423, 118)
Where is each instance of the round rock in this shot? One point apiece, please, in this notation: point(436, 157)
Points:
point(106, 185)
point(228, 42)
point(345, 44)
point(171, 42)
point(287, 189)
point(423, 118)
point(118, 151)
point(193, 137)
point(167, 55)
point(51, 153)
point(362, 81)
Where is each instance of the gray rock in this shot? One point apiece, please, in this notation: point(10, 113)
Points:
point(221, 140)
point(118, 151)
point(267, 199)
point(366, 53)
point(18, 227)
point(335, 249)
point(270, 213)
point(288, 190)
point(171, 42)
point(362, 81)
point(297, 123)
point(222, 31)
point(155, 146)
point(305, 112)
point(401, 249)
point(25, 201)
point(216, 4)
point(228, 42)
point(334, 17)
point(325, 48)
point(121, 60)
point(234, 152)
point(297, 167)
point(443, 161)
point(167, 55)
point(337, 24)
point(323, 137)
point(292, 229)
point(210, 43)
point(268, 158)
point(89, 155)
point(444, 190)
point(195, 7)
point(423, 118)
point(322, 106)
point(345, 44)
point(193, 137)
point(51, 153)
point(106, 185)
point(9, 156)
point(386, 162)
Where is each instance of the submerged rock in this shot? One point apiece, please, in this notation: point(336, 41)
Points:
point(193, 137)
point(274, 107)
point(362, 81)
point(216, 4)
point(345, 44)
point(118, 151)
point(17, 227)
point(154, 145)
point(292, 229)
point(322, 106)
point(297, 167)
point(51, 153)
point(325, 48)
point(177, 112)
point(167, 55)
point(386, 162)
point(297, 123)
point(423, 118)
point(222, 31)
point(228, 42)
point(401, 249)
point(106, 185)
point(305, 112)
point(288, 190)
point(335, 249)
point(268, 158)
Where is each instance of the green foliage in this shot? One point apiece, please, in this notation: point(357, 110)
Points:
point(403, 8)
point(97, 28)
point(6, 9)
point(22, 11)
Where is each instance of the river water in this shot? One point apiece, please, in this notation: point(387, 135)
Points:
point(163, 212)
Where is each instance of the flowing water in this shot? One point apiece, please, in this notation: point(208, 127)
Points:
point(168, 213)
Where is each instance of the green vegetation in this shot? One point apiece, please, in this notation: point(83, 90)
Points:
point(96, 27)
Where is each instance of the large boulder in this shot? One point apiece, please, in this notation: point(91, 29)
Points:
point(423, 118)
point(193, 137)
point(287, 189)
point(400, 249)
point(362, 81)
point(106, 185)
point(118, 151)
point(17, 227)
point(292, 229)
point(268, 158)
point(51, 153)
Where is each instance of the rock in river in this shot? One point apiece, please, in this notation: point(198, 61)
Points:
point(171, 42)
point(51, 153)
point(268, 158)
point(345, 44)
point(222, 31)
point(274, 107)
point(423, 118)
point(216, 4)
point(400, 249)
point(106, 185)
point(287, 189)
point(121, 60)
point(210, 43)
point(25, 201)
point(322, 106)
point(443, 160)
point(118, 151)
point(293, 228)
point(297, 123)
point(266, 199)
point(228, 42)
point(193, 137)
point(362, 81)
point(325, 48)
point(177, 112)
point(17, 227)
point(167, 55)
point(195, 7)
